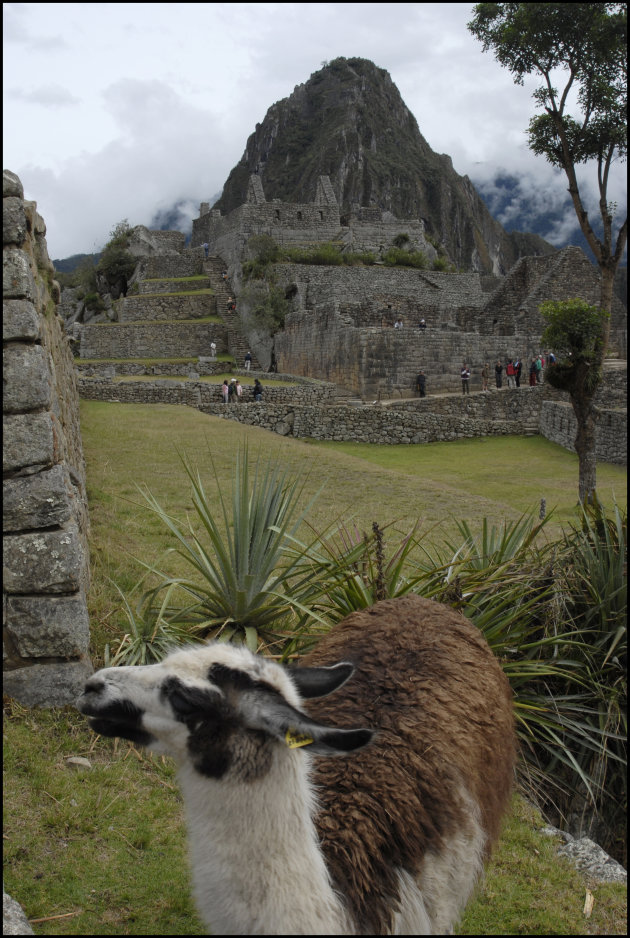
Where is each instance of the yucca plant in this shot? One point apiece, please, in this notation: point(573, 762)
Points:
point(151, 631)
point(343, 570)
point(594, 582)
point(238, 568)
point(509, 582)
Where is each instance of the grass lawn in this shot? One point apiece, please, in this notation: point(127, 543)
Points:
point(101, 849)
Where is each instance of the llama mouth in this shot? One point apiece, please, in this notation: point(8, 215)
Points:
point(120, 729)
point(120, 719)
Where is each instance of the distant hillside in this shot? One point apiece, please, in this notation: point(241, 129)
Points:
point(349, 122)
point(67, 265)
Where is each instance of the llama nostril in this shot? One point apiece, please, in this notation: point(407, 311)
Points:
point(94, 686)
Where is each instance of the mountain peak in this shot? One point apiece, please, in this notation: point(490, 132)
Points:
point(350, 123)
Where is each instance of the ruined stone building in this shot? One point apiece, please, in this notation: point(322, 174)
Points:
point(339, 325)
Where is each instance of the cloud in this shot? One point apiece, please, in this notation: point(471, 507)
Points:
point(165, 151)
point(46, 96)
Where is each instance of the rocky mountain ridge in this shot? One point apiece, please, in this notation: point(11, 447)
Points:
point(349, 122)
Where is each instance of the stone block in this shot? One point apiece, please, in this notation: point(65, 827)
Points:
point(28, 440)
point(43, 500)
point(20, 321)
point(14, 921)
point(26, 378)
point(14, 227)
point(11, 185)
point(48, 626)
point(48, 685)
point(17, 276)
point(43, 562)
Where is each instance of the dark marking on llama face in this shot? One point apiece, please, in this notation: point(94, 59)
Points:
point(218, 741)
point(120, 718)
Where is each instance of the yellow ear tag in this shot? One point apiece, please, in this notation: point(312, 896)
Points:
point(295, 740)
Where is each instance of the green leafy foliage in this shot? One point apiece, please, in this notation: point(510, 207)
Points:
point(575, 332)
point(397, 257)
point(116, 263)
point(586, 45)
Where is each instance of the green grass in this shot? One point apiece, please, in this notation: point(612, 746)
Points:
point(92, 851)
point(512, 472)
point(208, 291)
point(529, 890)
point(104, 847)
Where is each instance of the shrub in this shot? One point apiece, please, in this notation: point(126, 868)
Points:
point(116, 264)
point(400, 240)
point(395, 257)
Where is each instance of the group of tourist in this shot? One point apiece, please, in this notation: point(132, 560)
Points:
point(513, 371)
point(232, 391)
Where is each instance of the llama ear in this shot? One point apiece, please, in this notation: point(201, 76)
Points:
point(327, 741)
point(319, 682)
point(270, 712)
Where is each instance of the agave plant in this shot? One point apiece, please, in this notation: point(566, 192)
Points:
point(239, 569)
point(151, 630)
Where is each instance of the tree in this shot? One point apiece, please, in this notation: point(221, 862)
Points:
point(586, 43)
point(575, 331)
point(116, 264)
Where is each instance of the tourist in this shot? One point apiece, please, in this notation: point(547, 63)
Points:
point(239, 392)
point(532, 374)
point(539, 370)
point(224, 275)
point(551, 358)
point(498, 375)
point(422, 324)
point(225, 391)
point(213, 350)
point(258, 389)
point(510, 371)
point(232, 392)
point(518, 367)
point(465, 375)
point(485, 374)
point(421, 384)
point(205, 248)
point(398, 324)
point(248, 361)
point(231, 304)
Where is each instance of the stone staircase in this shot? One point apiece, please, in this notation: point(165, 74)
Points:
point(237, 343)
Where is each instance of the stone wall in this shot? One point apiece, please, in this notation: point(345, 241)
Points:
point(166, 306)
point(376, 362)
point(189, 263)
point(558, 424)
point(45, 517)
point(142, 340)
point(311, 410)
point(202, 395)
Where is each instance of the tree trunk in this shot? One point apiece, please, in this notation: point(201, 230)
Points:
point(585, 439)
point(605, 301)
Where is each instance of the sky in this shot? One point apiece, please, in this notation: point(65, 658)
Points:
point(116, 111)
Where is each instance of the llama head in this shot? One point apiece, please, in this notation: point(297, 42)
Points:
point(219, 707)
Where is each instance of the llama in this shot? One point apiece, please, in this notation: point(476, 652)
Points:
point(285, 836)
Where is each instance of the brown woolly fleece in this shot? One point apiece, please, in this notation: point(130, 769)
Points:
point(428, 683)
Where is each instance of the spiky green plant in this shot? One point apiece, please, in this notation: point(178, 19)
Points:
point(238, 568)
point(151, 631)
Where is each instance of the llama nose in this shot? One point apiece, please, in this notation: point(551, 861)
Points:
point(94, 686)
